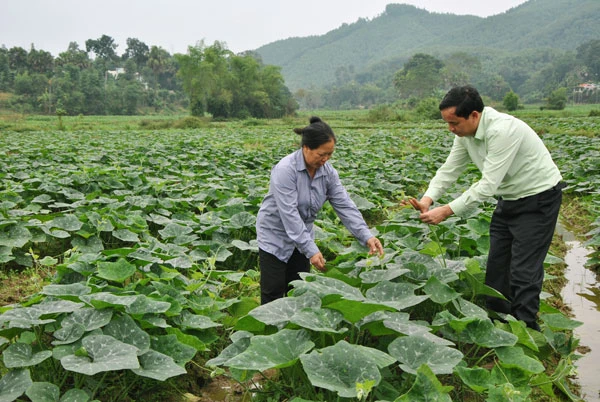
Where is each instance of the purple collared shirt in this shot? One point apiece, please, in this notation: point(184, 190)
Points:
point(287, 214)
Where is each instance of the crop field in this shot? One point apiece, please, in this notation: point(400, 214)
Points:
point(142, 246)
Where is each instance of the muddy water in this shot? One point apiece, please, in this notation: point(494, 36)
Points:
point(582, 294)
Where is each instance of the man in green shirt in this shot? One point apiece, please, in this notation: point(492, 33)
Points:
point(516, 168)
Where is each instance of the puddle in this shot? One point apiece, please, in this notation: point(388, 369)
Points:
point(582, 294)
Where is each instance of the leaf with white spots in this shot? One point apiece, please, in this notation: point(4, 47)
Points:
point(170, 346)
point(320, 320)
point(14, 384)
point(195, 321)
point(239, 342)
point(43, 392)
point(378, 275)
point(396, 295)
point(103, 300)
point(117, 271)
point(414, 351)
point(21, 355)
point(339, 368)
point(325, 286)
point(440, 292)
point(426, 388)
point(89, 318)
point(279, 350)
point(104, 353)
point(24, 317)
point(147, 305)
point(72, 289)
point(76, 395)
point(126, 330)
point(281, 311)
point(158, 366)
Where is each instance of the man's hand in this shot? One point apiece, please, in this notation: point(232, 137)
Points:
point(422, 205)
point(318, 261)
point(436, 215)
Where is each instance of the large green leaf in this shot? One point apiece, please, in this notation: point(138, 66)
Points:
point(68, 223)
point(397, 295)
point(117, 271)
point(14, 384)
point(147, 305)
point(89, 318)
point(170, 346)
point(239, 343)
point(194, 321)
point(22, 355)
point(484, 333)
point(72, 289)
point(559, 321)
point(343, 367)
point(158, 366)
point(43, 392)
point(478, 379)
point(379, 275)
point(415, 350)
point(319, 320)
point(242, 220)
point(514, 357)
point(324, 286)
point(103, 300)
point(24, 317)
point(102, 353)
point(279, 350)
point(126, 330)
point(16, 235)
point(440, 292)
point(426, 388)
point(281, 311)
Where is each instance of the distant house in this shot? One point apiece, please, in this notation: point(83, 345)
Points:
point(115, 73)
point(120, 70)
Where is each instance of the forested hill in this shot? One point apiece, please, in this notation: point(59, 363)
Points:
point(403, 30)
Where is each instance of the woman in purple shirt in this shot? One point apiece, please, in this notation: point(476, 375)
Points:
point(300, 184)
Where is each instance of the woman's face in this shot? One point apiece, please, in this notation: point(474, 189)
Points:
point(315, 158)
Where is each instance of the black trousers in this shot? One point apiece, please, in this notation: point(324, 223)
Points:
point(520, 235)
point(276, 275)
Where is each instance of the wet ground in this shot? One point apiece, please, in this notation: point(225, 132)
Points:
point(582, 294)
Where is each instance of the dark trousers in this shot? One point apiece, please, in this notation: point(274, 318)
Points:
point(276, 275)
point(520, 235)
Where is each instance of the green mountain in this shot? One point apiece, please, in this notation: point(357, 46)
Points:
point(388, 40)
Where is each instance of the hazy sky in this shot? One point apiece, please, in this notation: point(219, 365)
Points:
point(176, 24)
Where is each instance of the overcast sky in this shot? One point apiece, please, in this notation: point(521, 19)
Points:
point(174, 25)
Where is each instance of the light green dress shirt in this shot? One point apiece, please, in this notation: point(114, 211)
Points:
point(513, 160)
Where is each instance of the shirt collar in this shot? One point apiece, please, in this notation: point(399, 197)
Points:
point(480, 133)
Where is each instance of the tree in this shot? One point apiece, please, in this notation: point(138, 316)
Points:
point(420, 76)
point(137, 51)
point(104, 48)
point(40, 61)
point(511, 101)
point(74, 56)
point(557, 99)
point(589, 54)
point(17, 59)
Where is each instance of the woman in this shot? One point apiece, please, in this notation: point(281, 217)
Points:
point(300, 184)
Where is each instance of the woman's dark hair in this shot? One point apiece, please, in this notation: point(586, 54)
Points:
point(465, 98)
point(316, 133)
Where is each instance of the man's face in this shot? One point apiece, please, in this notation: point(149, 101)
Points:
point(459, 125)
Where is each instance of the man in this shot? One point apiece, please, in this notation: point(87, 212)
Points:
point(515, 167)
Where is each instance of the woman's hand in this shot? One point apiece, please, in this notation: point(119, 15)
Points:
point(375, 246)
point(318, 261)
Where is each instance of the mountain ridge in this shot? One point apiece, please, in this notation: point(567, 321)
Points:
point(403, 30)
